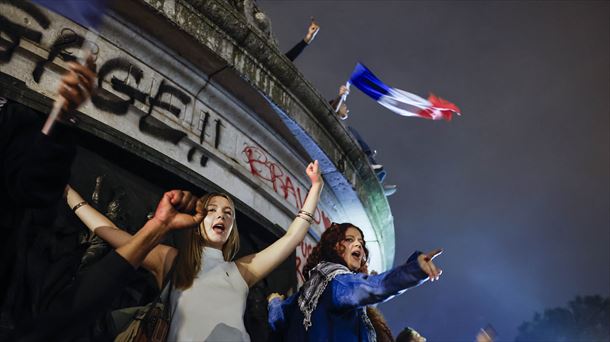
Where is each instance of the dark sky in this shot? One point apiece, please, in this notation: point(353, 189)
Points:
point(517, 189)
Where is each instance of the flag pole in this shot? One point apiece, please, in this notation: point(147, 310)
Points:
point(343, 97)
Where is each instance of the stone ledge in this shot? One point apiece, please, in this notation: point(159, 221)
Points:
point(224, 38)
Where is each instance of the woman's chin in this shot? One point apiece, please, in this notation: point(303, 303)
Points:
point(215, 243)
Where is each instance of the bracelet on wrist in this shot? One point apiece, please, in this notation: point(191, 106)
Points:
point(80, 204)
point(305, 217)
point(305, 213)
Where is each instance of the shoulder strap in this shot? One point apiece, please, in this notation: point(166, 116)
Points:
point(166, 290)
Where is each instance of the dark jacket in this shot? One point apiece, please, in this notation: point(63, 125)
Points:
point(339, 313)
point(34, 169)
point(43, 297)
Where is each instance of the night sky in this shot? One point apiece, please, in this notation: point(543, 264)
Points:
point(517, 189)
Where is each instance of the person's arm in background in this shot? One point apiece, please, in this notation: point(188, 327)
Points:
point(338, 103)
point(296, 50)
point(257, 266)
point(278, 308)
point(159, 258)
point(372, 289)
point(166, 218)
point(34, 167)
point(91, 293)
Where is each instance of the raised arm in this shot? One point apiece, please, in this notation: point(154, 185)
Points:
point(255, 267)
point(96, 221)
point(36, 166)
point(372, 289)
point(166, 218)
point(278, 310)
point(158, 258)
point(296, 50)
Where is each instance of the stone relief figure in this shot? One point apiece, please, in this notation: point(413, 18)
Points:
point(96, 246)
point(255, 17)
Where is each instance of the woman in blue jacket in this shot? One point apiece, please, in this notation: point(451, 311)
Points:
point(331, 305)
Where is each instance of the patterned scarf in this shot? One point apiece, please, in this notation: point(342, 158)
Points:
point(319, 277)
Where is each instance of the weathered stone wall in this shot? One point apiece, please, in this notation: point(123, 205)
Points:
point(221, 27)
point(216, 72)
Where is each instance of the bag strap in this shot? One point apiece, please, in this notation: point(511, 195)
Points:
point(166, 292)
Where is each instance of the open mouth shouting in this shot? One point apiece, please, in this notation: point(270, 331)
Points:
point(357, 255)
point(219, 228)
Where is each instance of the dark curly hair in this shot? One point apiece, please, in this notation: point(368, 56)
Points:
point(327, 249)
point(382, 330)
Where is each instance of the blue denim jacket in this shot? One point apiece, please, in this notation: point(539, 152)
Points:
point(338, 315)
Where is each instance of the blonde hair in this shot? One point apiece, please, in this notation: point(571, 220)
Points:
point(190, 243)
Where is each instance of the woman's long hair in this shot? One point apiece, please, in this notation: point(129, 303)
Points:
point(190, 243)
point(330, 248)
point(383, 332)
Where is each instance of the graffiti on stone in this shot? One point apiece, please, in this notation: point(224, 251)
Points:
point(15, 32)
point(121, 95)
point(263, 167)
point(161, 131)
point(68, 39)
point(303, 252)
point(119, 86)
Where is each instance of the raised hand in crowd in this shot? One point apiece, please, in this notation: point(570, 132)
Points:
point(312, 31)
point(296, 50)
point(176, 210)
point(274, 295)
point(313, 172)
point(426, 264)
point(77, 84)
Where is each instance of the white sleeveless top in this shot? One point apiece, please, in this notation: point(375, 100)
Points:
point(213, 308)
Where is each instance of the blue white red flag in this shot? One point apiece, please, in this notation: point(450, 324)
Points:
point(87, 13)
point(400, 101)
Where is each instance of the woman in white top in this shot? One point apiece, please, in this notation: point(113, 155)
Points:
point(210, 289)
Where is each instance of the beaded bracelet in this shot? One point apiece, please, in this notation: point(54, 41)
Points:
point(74, 208)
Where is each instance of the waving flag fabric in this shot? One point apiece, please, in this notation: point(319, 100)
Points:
point(87, 13)
point(400, 101)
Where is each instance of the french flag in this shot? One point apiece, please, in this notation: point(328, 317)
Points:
point(400, 101)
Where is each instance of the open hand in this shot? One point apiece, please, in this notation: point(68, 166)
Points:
point(313, 172)
point(167, 210)
point(77, 84)
point(426, 264)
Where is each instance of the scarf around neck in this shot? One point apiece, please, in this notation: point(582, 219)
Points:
point(319, 277)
